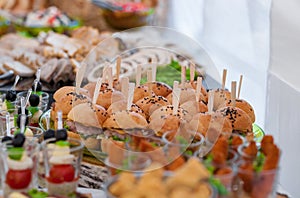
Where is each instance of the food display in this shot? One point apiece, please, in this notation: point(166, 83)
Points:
point(141, 123)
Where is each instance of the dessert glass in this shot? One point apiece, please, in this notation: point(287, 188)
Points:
point(19, 175)
point(44, 99)
point(13, 113)
point(62, 176)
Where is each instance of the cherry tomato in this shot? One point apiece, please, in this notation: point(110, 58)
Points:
point(18, 179)
point(61, 173)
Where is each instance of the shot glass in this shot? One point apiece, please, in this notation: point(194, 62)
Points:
point(62, 166)
point(258, 184)
point(19, 166)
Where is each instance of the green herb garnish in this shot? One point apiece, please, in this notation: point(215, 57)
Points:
point(208, 164)
point(34, 193)
point(33, 110)
point(39, 93)
point(218, 185)
point(15, 153)
point(181, 140)
point(188, 153)
point(259, 162)
point(66, 126)
point(9, 106)
point(62, 143)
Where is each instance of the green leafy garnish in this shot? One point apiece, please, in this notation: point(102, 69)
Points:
point(117, 138)
point(181, 140)
point(33, 110)
point(66, 126)
point(10, 106)
point(62, 143)
point(169, 73)
point(218, 185)
point(15, 153)
point(188, 153)
point(208, 164)
point(34, 193)
point(39, 93)
point(259, 162)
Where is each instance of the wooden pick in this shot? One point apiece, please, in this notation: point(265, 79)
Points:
point(97, 90)
point(233, 93)
point(149, 76)
point(79, 76)
point(175, 99)
point(192, 72)
point(210, 104)
point(130, 95)
point(110, 77)
point(138, 75)
point(118, 69)
point(149, 80)
point(224, 78)
point(38, 74)
point(125, 86)
point(183, 75)
point(198, 88)
point(240, 86)
point(154, 67)
point(175, 84)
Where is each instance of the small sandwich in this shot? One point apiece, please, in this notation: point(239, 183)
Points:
point(85, 121)
point(66, 98)
point(243, 105)
point(125, 120)
point(240, 120)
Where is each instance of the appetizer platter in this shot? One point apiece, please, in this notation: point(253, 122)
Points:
point(128, 128)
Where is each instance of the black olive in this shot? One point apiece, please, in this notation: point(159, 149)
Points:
point(11, 95)
point(49, 134)
point(34, 100)
point(61, 134)
point(18, 140)
point(6, 138)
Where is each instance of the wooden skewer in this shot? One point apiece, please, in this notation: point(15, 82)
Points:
point(224, 78)
point(183, 75)
point(110, 78)
point(240, 86)
point(175, 99)
point(149, 76)
point(210, 104)
point(154, 72)
point(198, 88)
point(149, 79)
point(125, 86)
point(192, 73)
point(97, 90)
point(233, 93)
point(79, 76)
point(130, 95)
point(138, 75)
point(175, 84)
point(118, 69)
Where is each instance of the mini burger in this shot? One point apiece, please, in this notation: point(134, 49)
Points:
point(108, 96)
point(202, 121)
point(125, 120)
point(140, 92)
point(240, 120)
point(122, 105)
point(150, 104)
point(168, 110)
point(243, 105)
point(159, 88)
point(66, 98)
point(220, 96)
point(165, 123)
